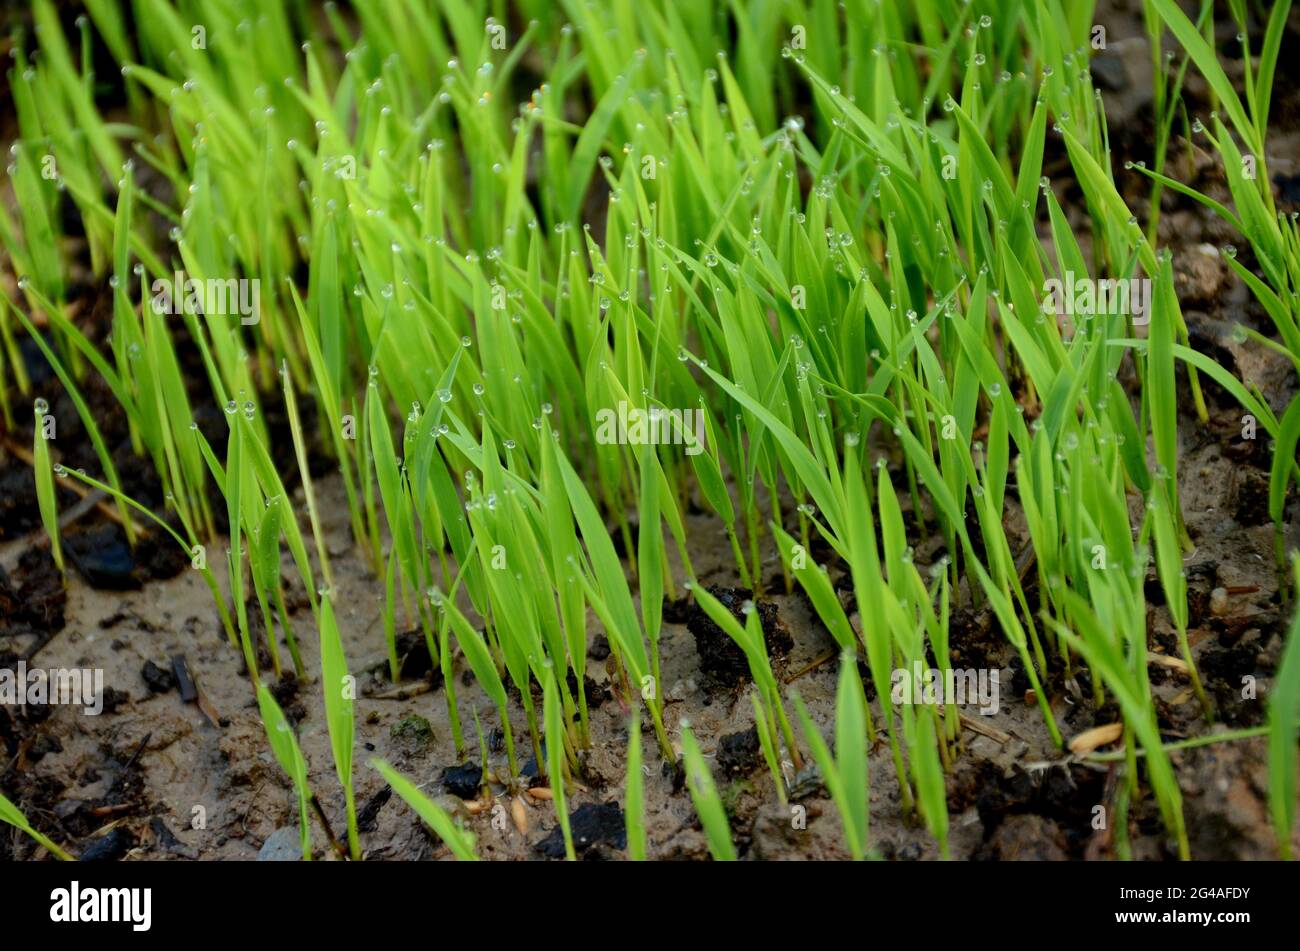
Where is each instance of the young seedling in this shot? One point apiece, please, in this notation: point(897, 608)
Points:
point(339, 688)
point(750, 639)
point(1284, 722)
point(634, 792)
point(556, 763)
point(45, 498)
point(708, 804)
point(845, 773)
point(485, 670)
point(279, 733)
point(864, 282)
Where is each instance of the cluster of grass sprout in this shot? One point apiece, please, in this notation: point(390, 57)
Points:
point(828, 237)
point(845, 772)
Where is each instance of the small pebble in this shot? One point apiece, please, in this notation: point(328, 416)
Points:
point(282, 845)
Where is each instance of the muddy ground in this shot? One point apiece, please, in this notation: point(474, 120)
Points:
point(156, 777)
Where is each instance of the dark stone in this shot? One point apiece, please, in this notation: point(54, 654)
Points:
point(463, 780)
point(1108, 72)
point(109, 847)
point(368, 815)
point(103, 557)
point(738, 753)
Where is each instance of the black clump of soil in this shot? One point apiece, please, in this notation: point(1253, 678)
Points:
point(721, 659)
point(677, 611)
point(1229, 663)
point(1061, 797)
point(738, 752)
point(157, 679)
point(285, 691)
point(1250, 497)
point(974, 641)
point(42, 745)
point(592, 825)
point(166, 840)
point(33, 598)
point(158, 556)
point(19, 513)
point(676, 772)
point(113, 698)
point(1201, 579)
point(596, 693)
point(1224, 670)
point(463, 780)
point(414, 661)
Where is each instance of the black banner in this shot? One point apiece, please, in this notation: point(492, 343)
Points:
point(140, 902)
